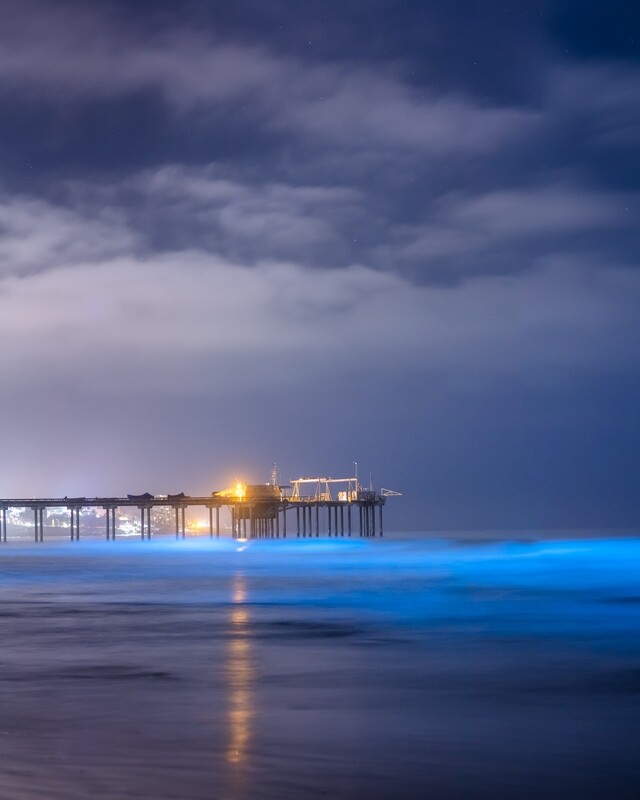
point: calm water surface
(338, 669)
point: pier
(308, 507)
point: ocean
(379, 669)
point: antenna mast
(275, 475)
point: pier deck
(254, 515)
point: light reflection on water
(289, 671)
(240, 675)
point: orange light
(238, 492)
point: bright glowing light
(238, 492)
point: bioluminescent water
(320, 668)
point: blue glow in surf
(406, 667)
(511, 585)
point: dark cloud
(402, 233)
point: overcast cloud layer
(314, 234)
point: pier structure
(309, 507)
(329, 505)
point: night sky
(402, 233)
